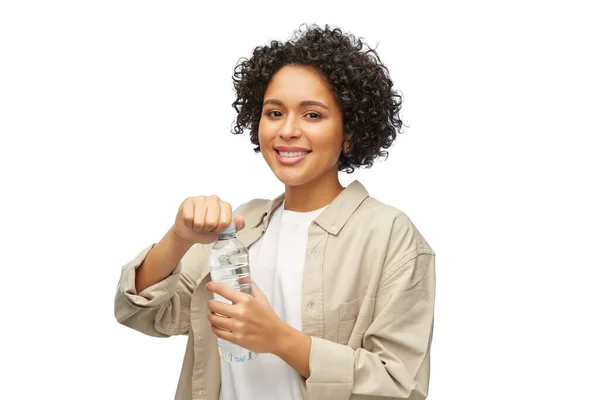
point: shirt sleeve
(394, 359)
(162, 309)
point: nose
(290, 129)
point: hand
(249, 322)
(201, 219)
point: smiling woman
(343, 285)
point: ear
(346, 144)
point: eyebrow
(302, 103)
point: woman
(343, 285)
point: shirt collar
(334, 217)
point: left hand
(249, 322)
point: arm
(394, 360)
(161, 261)
(155, 290)
(163, 308)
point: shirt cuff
(331, 370)
(152, 296)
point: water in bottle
(228, 263)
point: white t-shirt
(277, 266)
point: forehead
(295, 82)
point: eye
(313, 115)
(274, 113)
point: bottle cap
(229, 230)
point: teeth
(293, 154)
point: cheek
(264, 133)
(261, 138)
(265, 144)
(328, 144)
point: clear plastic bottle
(229, 264)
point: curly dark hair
(357, 78)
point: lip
(290, 149)
(289, 161)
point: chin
(292, 179)
(291, 182)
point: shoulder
(394, 223)
(405, 247)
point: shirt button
(310, 305)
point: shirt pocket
(354, 319)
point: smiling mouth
(292, 153)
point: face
(301, 130)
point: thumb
(257, 293)
(239, 223)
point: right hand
(201, 219)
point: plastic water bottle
(228, 263)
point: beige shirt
(367, 303)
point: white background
(112, 112)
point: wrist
(177, 242)
(294, 349)
(289, 341)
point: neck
(313, 195)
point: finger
(223, 334)
(239, 223)
(213, 211)
(225, 217)
(187, 213)
(220, 321)
(219, 307)
(227, 292)
(199, 215)
(244, 280)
